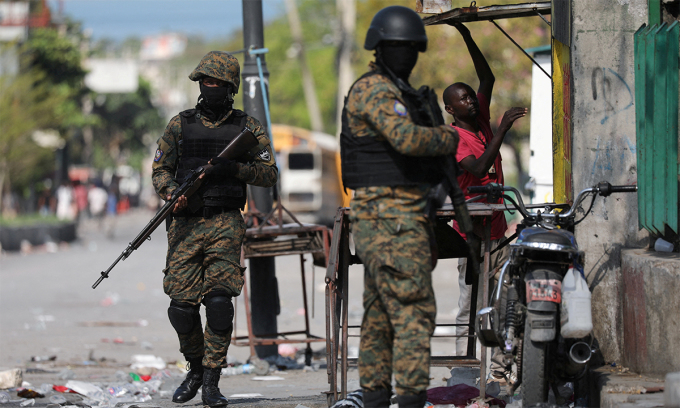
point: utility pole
(307, 79)
(264, 291)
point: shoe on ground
(191, 384)
(211, 395)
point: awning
(491, 13)
(474, 13)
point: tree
(445, 62)
(125, 121)
(27, 107)
(45, 95)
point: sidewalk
(616, 387)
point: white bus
(309, 182)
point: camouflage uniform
(394, 239)
(204, 253)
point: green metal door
(656, 113)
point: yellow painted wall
(562, 123)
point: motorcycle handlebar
(480, 189)
(604, 189)
(624, 189)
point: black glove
(222, 166)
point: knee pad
(219, 312)
(183, 316)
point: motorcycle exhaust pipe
(580, 353)
(578, 356)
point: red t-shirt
(475, 145)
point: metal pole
(521, 49)
(264, 296)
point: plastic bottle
(242, 369)
(4, 397)
(27, 403)
(57, 399)
(576, 315)
(46, 388)
(154, 386)
(89, 390)
(661, 245)
(116, 391)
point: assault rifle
(238, 147)
(423, 105)
(449, 186)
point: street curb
(616, 387)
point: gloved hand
(223, 166)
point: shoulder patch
(159, 154)
(399, 108)
(264, 155)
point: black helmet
(396, 23)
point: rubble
(11, 378)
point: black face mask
(217, 98)
(400, 59)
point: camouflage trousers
(399, 304)
(204, 255)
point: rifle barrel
(105, 274)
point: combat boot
(412, 401)
(377, 399)
(211, 393)
(192, 383)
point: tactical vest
(199, 145)
(368, 162)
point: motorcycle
(539, 313)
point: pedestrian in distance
(96, 198)
(479, 158)
(66, 202)
(390, 135)
(205, 236)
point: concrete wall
(651, 309)
(603, 143)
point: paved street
(49, 310)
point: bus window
(301, 161)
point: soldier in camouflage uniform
(205, 236)
(391, 135)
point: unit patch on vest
(399, 108)
(264, 155)
(159, 154)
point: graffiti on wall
(611, 92)
(614, 155)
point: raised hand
(510, 116)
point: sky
(120, 19)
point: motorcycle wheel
(534, 382)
